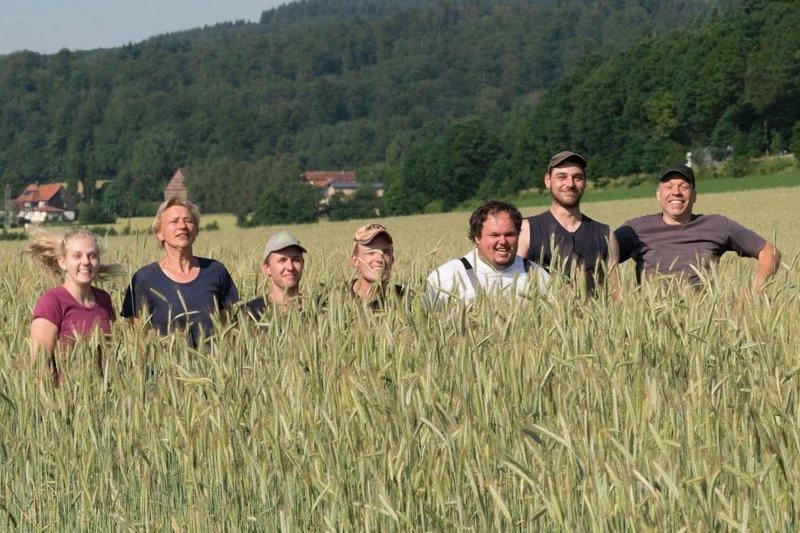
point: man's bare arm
(769, 260)
(611, 265)
(524, 240)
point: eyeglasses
(373, 251)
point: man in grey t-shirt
(677, 242)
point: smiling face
(285, 269)
(676, 196)
(178, 228)
(80, 261)
(566, 183)
(374, 261)
(498, 241)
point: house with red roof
(323, 178)
(337, 181)
(49, 201)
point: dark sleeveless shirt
(586, 250)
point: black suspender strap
(473, 278)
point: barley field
(666, 411)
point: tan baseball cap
(366, 234)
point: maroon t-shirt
(661, 248)
(72, 319)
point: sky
(47, 26)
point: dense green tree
(416, 185)
(291, 202)
(772, 78)
(446, 170)
(648, 105)
(794, 141)
(154, 157)
(363, 203)
(216, 185)
(95, 213)
(12, 182)
(285, 197)
(469, 150)
(449, 99)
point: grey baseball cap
(279, 241)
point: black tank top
(586, 250)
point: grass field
(665, 411)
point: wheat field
(666, 411)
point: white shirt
(451, 280)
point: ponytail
(48, 247)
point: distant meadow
(668, 410)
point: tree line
(442, 101)
(727, 89)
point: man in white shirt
(493, 267)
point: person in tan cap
(373, 258)
(283, 264)
(562, 239)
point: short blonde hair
(194, 212)
(48, 247)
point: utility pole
(7, 221)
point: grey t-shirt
(661, 248)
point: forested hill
(314, 13)
(731, 88)
(246, 106)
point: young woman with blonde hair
(75, 308)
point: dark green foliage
(12, 181)
(103, 231)
(451, 100)
(294, 202)
(727, 84)
(216, 185)
(12, 235)
(95, 213)
(363, 203)
(446, 170)
(322, 12)
(281, 195)
(794, 141)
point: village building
(176, 188)
(337, 181)
(46, 202)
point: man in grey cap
(678, 243)
(283, 264)
(562, 239)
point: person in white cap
(373, 258)
(283, 264)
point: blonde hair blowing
(48, 247)
(172, 202)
